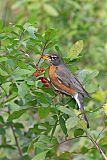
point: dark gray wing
(68, 79)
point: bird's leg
(62, 98)
(56, 98)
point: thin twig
(97, 147)
(16, 140)
(95, 144)
(100, 133)
(42, 52)
(43, 49)
(71, 139)
(26, 54)
(20, 36)
(15, 137)
(54, 128)
(93, 141)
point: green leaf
(2, 59)
(86, 75)
(27, 25)
(50, 10)
(22, 89)
(7, 146)
(91, 87)
(57, 48)
(6, 86)
(16, 114)
(75, 50)
(2, 131)
(20, 27)
(78, 132)
(66, 155)
(66, 110)
(50, 44)
(84, 150)
(62, 124)
(3, 73)
(12, 96)
(42, 97)
(32, 144)
(21, 72)
(71, 122)
(50, 34)
(18, 125)
(91, 75)
(105, 108)
(32, 30)
(103, 141)
(44, 139)
(82, 74)
(44, 111)
(40, 37)
(40, 156)
(25, 157)
(1, 119)
(54, 127)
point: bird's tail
(79, 100)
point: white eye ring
(53, 57)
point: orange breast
(57, 83)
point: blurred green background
(73, 20)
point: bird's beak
(45, 57)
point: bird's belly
(57, 84)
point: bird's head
(53, 59)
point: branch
(15, 137)
(93, 141)
(97, 147)
(16, 140)
(43, 49)
(100, 134)
(71, 139)
(42, 52)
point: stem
(15, 137)
(43, 49)
(93, 141)
(42, 52)
(96, 144)
(100, 133)
(97, 147)
(16, 140)
(53, 129)
(20, 36)
(71, 139)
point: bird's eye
(53, 57)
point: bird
(64, 81)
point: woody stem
(15, 137)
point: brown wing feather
(68, 79)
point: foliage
(35, 123)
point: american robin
(65, 82)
